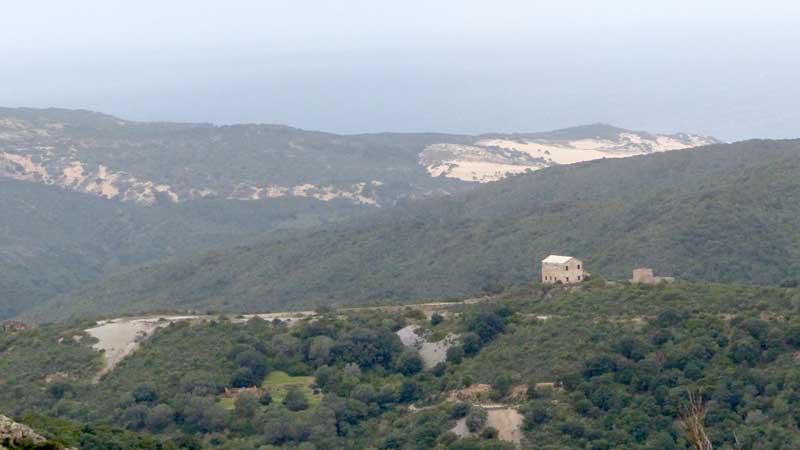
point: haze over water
(724, 68)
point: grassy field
(278, 384)
(228, 403)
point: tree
(203, 414)
(489, 433)
(135, 416)
(200, 383)
(246, 405)
(324, 377)
(265, 399)
(364, 393)
(160, 417)
(367, 347)
(598, 365)
(501, 386)
(455, 354)
(318, 351)
(472, 343)
(409, 391)
(59, 388)
(436, 319)
(409, 363)
(145, 393)
(536, 414)
(486, 326)
(255, 361)
(459, 410)
(243, 377)
(476, 419)
(295, 399)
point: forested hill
(601, 366)
(52, 240)
(725, 212)
(84, 195)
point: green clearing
(278, 384)
(228, 403)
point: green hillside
(721, 213)
(53, 241)
(600, 366)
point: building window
(579, 267)
(566, 267)
(567, 279)
(579, 278)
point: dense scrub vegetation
(600, 366)
(724, 213)
(52, 241)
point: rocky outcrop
(14, 435)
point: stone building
(562, 269)
(645, 275)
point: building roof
(556, 259)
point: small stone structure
(562, 269)
(14, 326)
(645, 275)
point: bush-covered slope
(725, 213)
(600, 366)
(52, 241)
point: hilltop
(149, 163)
(723, 213)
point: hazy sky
(729, 68)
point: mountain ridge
(150, 162)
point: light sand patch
(324, 193)
(73, 175)
(574, 152)
(166, 189)
(118, 338)
(432, 353)
(506, 420)
(481, 172)
(102, 183)
(493, 159)
(202, 193)
(22, 167)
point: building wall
(643, 275)
(568, 273)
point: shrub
(476, 419)
(295, 400)
(455, 354)
(409, 363)
(243, 377)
